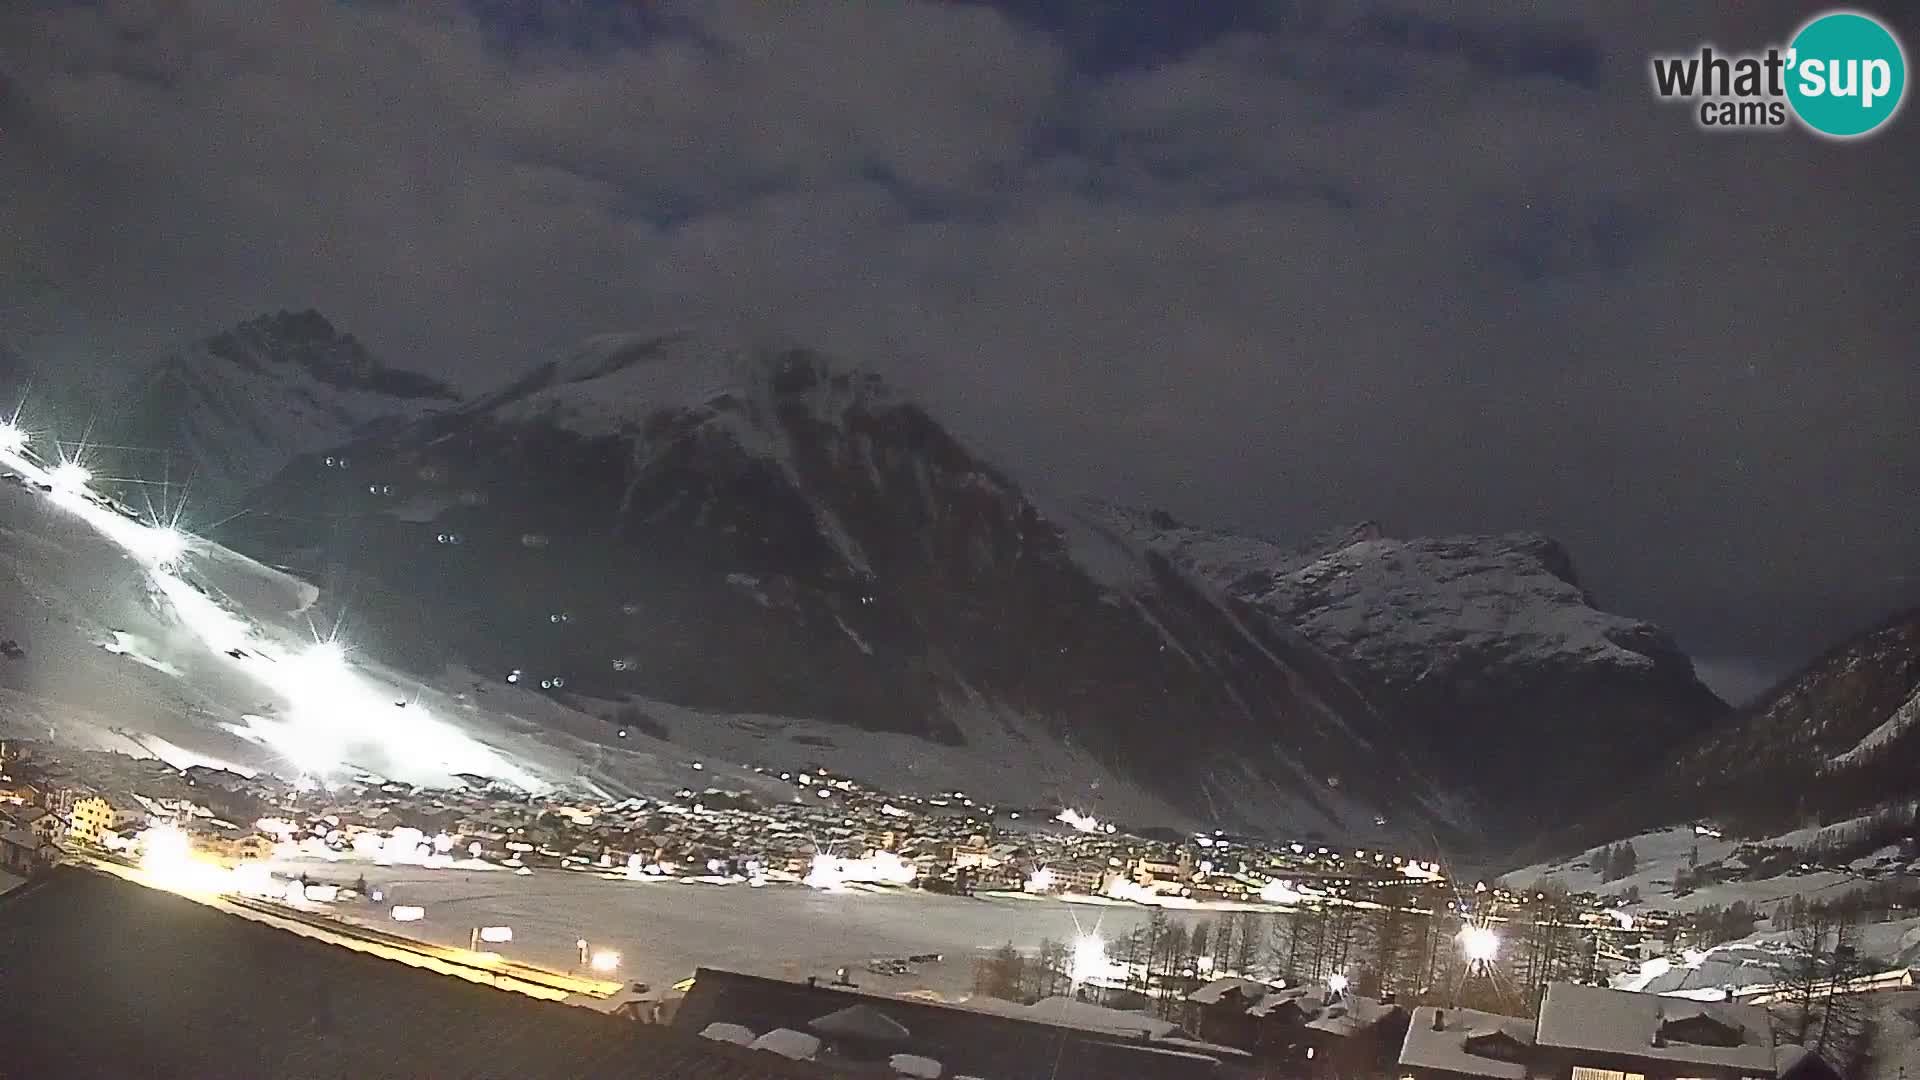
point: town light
(606, 960)
(1480, 944)
(70, 476)
(1089, 958)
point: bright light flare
(166, 855)
(1337, 983)
(1089, 961)
(1480, 944)
(832, 872)
(408, 913)
(157, 546)
(605, 960)
(70, 476)
(1280, 892)
(496, 935)
(328, 656)
(1040, 881)
(12, 439)
(1077, 821)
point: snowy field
(1664, 852)
(664, 929)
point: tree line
(1403, 946)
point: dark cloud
(1274, 265)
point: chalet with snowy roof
(1589, 1033)
(1314, 1028)
(1466, 1044)
(1220, 1010)
(1055, 1039)
(1353, 1036)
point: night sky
(1266, 265)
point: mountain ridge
(751, 526)
(234, 407)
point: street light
(1089, 958)
(1480, 944)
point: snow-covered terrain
(232, 410)
(1663, 854)
(728, 528)
(1484, 652)
(126, 647)
(1839, 736)
(664, 929)
(1396, 607)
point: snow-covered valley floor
(664, 929)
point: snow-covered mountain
(740, 526)
(743, 527)
(233, 409)
(1835, 745)
(1485, 656)
(1841, 737)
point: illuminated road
(466, 964)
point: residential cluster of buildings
(1582, 1033)
(65, 796)
(1239, 1028)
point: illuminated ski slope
(334, 713)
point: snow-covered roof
(1350, 1015)
(1212, 993)
(1079, 1014)
(1307, 999)
(1574, 1017)
(728, 1033)
(1447, 1048)
(788, 1043)
(915, 1066)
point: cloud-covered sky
(1271, 265)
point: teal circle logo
(1846, 74)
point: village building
(1466, 1044)
(89, 820)
(1055, 1039)
(1590, 1033)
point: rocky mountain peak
(232, 409)
(308, 341)
(622, 382)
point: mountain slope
(1483, 654)
(1840, 737)
(743, 527)
(233, 409)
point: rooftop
(1596, 1020)
(102, 977)
(1460, 1033)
